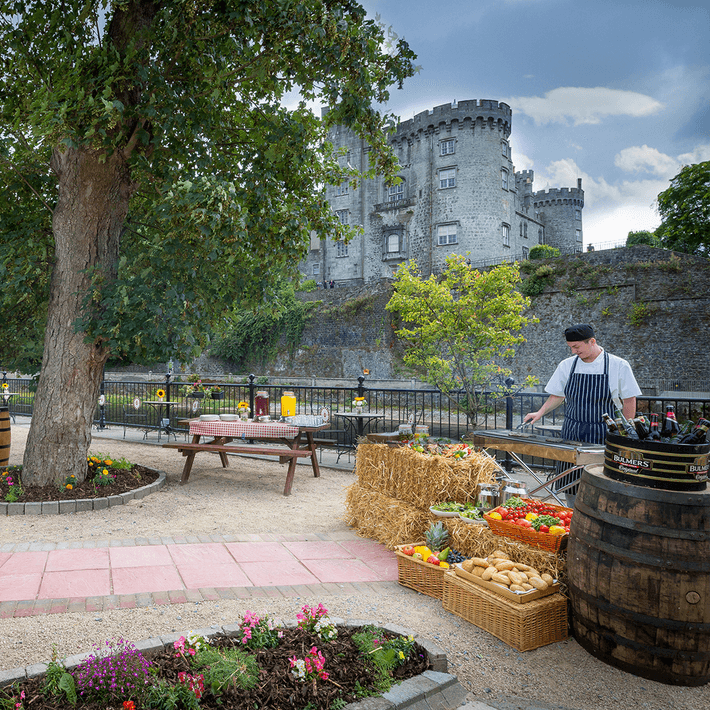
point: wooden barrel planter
(638, 563)
(4, 436)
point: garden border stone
(82, 505)
(434, 689)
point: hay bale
(384, 519)
(420, 479)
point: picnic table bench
(288, 436)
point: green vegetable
(548, 520)
(448, 507)
(515, 502)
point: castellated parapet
(457, 193)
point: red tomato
(544, 529)
(525, 523)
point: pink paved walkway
(92, 576)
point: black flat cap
(581, 331)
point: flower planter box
(217, 395)
(197, 395)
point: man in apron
(589, 383)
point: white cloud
(583, 105)
(644, 159)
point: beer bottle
(698, 434)
(641, 428)
(670, 425)
(654, 430)
(684, 430)
(611, 426)
(628, 426)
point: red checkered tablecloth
(246, 430)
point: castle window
(342, 216)
(341, 248)
(504, 179)
(446, 234)
(578, 235)
(506, 235)
(525, 231)
(526, 251)
(395, 192)
(447, 178)
(392, 243)
(540, 236)
(316, 269)
(341, 189)
(447, 147)
(578, 214)
(504, 148)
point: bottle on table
(671, 427)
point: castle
(458, 193)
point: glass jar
(288, 404)
(510, 489)
(261, 404)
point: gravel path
(248, 499)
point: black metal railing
(431, 407)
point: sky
(614, 92)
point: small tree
(643, 237)
(458, 327)
(543, 251)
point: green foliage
(639, 313)
(536, 283)
(226, 668)
(543, 251)
(383, 655)
(308, 285)
(253, 336)
(162, 695)
(182, 109)
(457, 328)
(685, 211)
(57, 681)
(643, 237)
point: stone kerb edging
(433, 689)
(80, 505)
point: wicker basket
(545, 541)
(522, 626)
(419, 575)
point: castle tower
(560, 209)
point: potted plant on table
(359, 404)
(243, 410)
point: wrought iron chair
(134, 414)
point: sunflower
(5, 385)
(160, 393)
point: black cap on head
(581, 331)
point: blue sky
(615, 93)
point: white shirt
(622, 382)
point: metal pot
(488, 495)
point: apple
(434, 560)
(408, 550)
(417, 556)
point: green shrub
(535, 284)
(643, 237)
(543, 251)
(308, 285)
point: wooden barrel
(674, 467)
(638, 563)
(4, 436)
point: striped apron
(587, 397)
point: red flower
(129, 705)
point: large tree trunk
(93, 203)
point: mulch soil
(125, 480)
(276, 689)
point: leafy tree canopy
(685, 211)
(642, 237)
(459, 327)
(224, 183)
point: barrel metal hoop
(644, 619)
(679, 564)
(655, 530)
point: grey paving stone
(455, 695)
(36, 669)
(33, 509)
(67, 506)
(15, 508)
(77, 659)
(100, 503)
(114, 501)
(151, 646)
(84, 504)
(399, 630)
(443, 680)
(410, 692)
(50, 508)
(231, 630)
(14, 675)
(437, 655)
(3, 508)
(370, 704)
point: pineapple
(436, 537)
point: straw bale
(387, 520)
(419, 479)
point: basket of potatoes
(515, 581)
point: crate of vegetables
(534, 522)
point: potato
(547, 578)
(538, 583)
(467, 565)
(489, 572)
(480, 562)
(516, 588)
(500, 579)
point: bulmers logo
(699, 467)
(631, 459)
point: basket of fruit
(534, 522)
(421, 565)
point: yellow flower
(5, 385)
(243, 404)
(160, 393)
(69, 486)
(108, 462)
(401, 654)
(105, 472)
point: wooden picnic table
(288, 436)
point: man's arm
(552, 402)
(629, 407)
